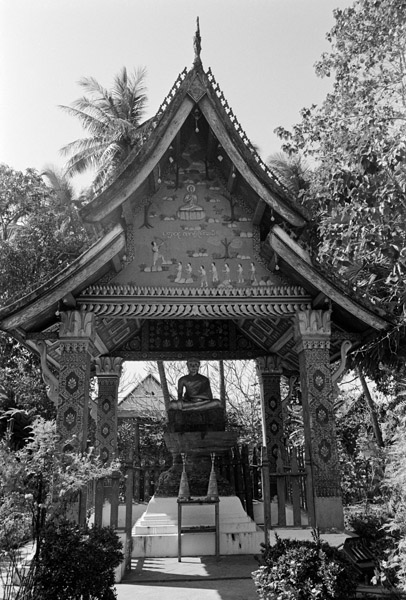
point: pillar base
(329, 513)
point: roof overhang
(300, 263)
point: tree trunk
(164, 383)
(371, 405)
(222, 384)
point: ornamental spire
(197, 43)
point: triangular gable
(195, 90)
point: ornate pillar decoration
(269, 372)
(312, 334)
(108, 371)
(76, 334)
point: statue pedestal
(200, 443)
(181, 421)
(155, 534)
(196, 436)
(197, 446)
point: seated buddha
(194, 390)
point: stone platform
(155, 534)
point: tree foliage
(39, 486)
(77, 562)
(20, 381)
(303, 570)
(112, 118)
(40, 481)
(356, 142)
(42, 232)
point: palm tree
(112, 118)
(292, 171)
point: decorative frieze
(197, 311)
(214, 303)
(118, 292)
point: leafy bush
(77, 562)
(304, 570)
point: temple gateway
(200, 253)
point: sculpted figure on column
(194, 390)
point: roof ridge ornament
(197, 44)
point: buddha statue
(194, 391)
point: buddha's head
(193, 365)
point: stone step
(196, 544)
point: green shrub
(373, 529)
(304, 570)
(77, 562)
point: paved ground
(194, 578)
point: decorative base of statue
(198, 447)
(181, 421)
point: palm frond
(112, 120)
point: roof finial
(197, 43)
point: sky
(261, 52)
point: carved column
(269, 374)
(108, 371)
(76, 334)
(312, 334)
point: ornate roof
(199, 249)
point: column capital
(312, 329)
(108, 366)
(77, 331)
(76, 324)
(269, 365)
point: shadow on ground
(195, 578)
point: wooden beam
(282, 341)
(295, 260)
(116, 262)
(42, 335)
(259, 211)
